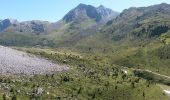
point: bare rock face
(4, 24)
(17, 62)
(83, 12)
(35, 26)
(106, 14)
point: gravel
(17, 62)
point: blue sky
(53, 10)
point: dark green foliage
(158, 31)
(164, 52)
(4, 96)
(14, 97)
(152, 77)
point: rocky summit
(82, 11)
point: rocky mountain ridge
(82, 11)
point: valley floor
(88, 77)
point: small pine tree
(133, 84)
(14, 97)
(4, 96)
(143, 94)
(94, 95)
(79, 91)
(116, 87)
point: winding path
(165, 76)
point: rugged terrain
(110, 55)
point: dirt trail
(165, 88)
(165, 76)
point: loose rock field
(17, 62)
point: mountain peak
(83, 12)
(81, 5)
(106, 13)
(4, 24)
(101, 6)
(164, 4)
(13, 21)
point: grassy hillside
(69, 33)
(24, 39)
(87, 79)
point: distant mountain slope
(138, 37)
(133, 26)
(80, 22)
(81, 13)
(140, 22)
(35, 26)
(4, 24)
(83, 24)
